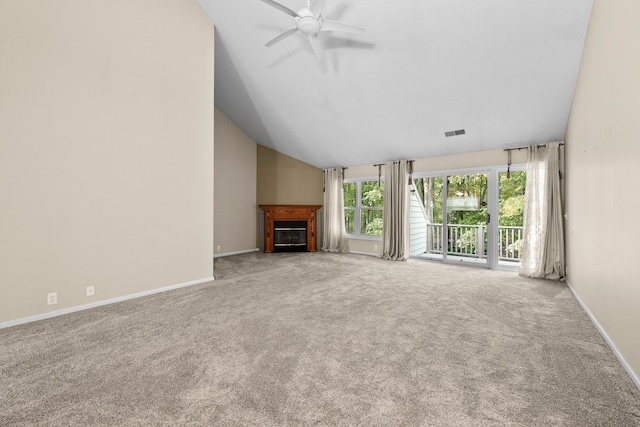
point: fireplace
(290, 228)
(290, 236)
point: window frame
(357, 216)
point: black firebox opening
(290, 236)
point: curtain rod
(395, 161)
(526, 146)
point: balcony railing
(469, 241)
(509, 243)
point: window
(363, 201)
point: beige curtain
(543, 248)
(334, 234)
(395, 221)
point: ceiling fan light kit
(310, 21)
(307, 23)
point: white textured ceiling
(503, 70)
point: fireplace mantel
(288, 213)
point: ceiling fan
(310, 21)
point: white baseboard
(623, 362)
(100, 303)
(364, 253)
(236, 253)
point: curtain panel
(395, 221)
(543, 249)
(334, 234)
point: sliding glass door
(469, 216)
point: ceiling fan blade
(281, 8)
(317, 7)
(328, 25)
(281, 37)
(316, 46)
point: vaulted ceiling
(503, 70)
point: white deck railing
(509, 243)
(469, 241)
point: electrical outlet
(375, 247)
(218, 248)
(52, 298)
(91, 291)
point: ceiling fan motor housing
(307, 23)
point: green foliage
(349, 220)
(349, 190)
(459, 186)
(374, 226)
(430, 192)
(468, 186)
(372, 194)
(511, 199)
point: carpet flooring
(322, 339)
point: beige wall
(283, 180)
(432, 164)
(235, 188)
(106, 150)
(602, 155)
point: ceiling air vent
(454, 132)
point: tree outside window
(350, 205)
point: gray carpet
(322, 339)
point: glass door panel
(466, 225)
(426, 217)
(510, 216)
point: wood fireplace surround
(274, 213)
